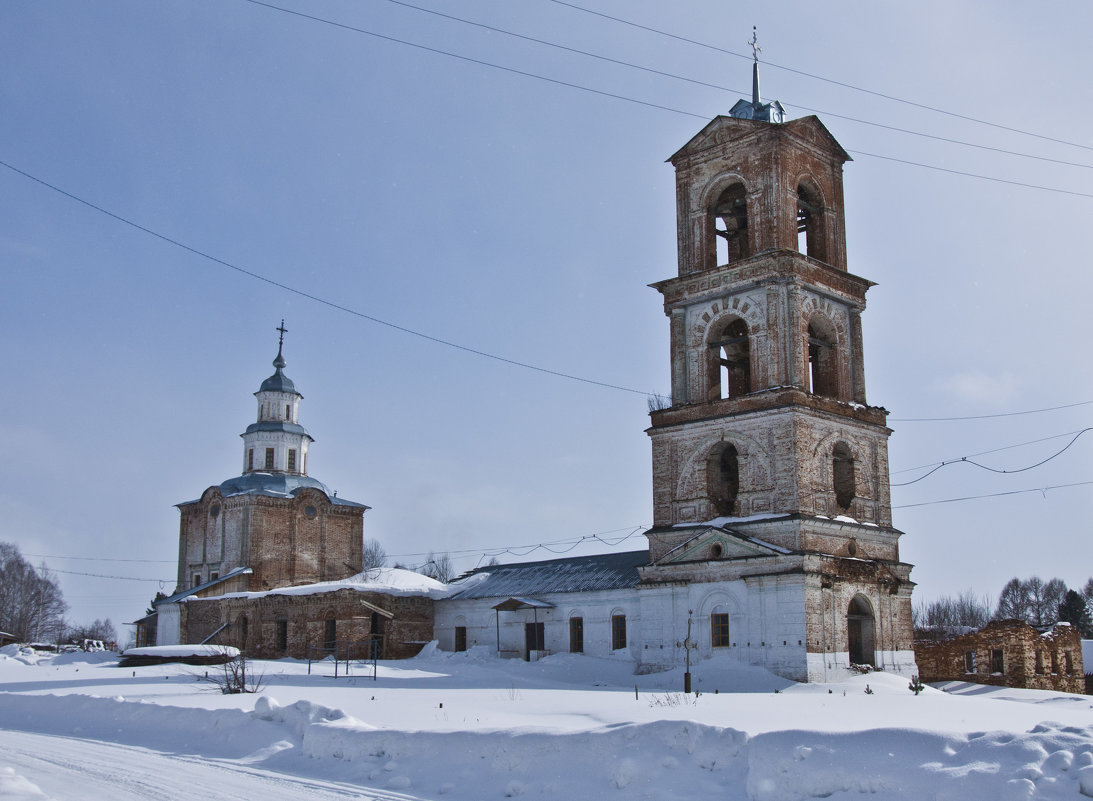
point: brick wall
(305, 622)
(1051, 661)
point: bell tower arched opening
(811, 236)
(729, 360)
(842, 475)
(822, 364)
(861, 643)
(723, 478)
(729, 226)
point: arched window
(729, 360)
(810, 223)
(243, 632)
(859, 632)
(723, 477)
(730, 225)
(842, 475)
(822, 370)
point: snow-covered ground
(469, 726)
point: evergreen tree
(1073, 610)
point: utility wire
(986, 416)
(471, 60)
(316, 298)
(645, 103)
(1042, 490)
(984, 453)
(843, 84)
(101, 559)
(967, 460)
(722, 88)
(100, 575)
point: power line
(118, 578)
(832, 81)
(1043, 490)
(316, 298)
(967, 460)
(101, 558)
(986, 416)
(695, 81)
(971, 174)
(984, 453)
(645, 103)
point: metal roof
(277, 425)
(178, 596)
(278, 382)
(610, 571)
(278, 485)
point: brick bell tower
(769, 462)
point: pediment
(723, 129)
(716, 544)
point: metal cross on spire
(280, 362)
(755, 51)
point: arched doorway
(859, 632)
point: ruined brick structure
(357, 624)
(1007, 653)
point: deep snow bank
(661, 759)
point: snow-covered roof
(386, 580)
(575, 574)
(183, 651)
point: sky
(176, 178)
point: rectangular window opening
(576, 635)
(460, 638)
(269, 458)
(291, 458)
(618, 632)
(197, 579)
(282, 635)
(970, 662)
(719, 630)
(998, 663)
(250, 458)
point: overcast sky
(524, 218)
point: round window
(214, 510)
(310, 511)
(716, 550)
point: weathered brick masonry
(1007, 653)
(275, 625)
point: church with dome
(772, 542)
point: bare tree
(373, 555)
(439, 567)
(32, 606)
(1013, 601)
(1044, 600)
(949, 615)
(96, 630)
